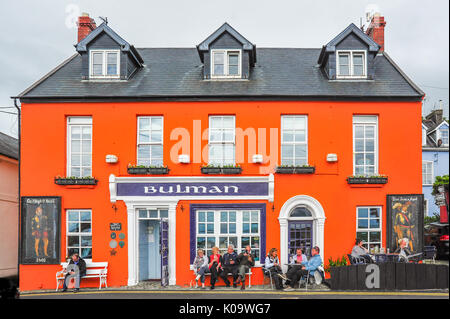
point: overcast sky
(35, 36)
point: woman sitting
(402, 251)
(215, 265)
(272, 264)
(200, 267)
(359, 251)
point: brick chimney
(85, 26)
(376, 29)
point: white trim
(150, 117)
(222, 142)
(294, 143)
(318, 218)
(79, 234)
(351, 67)
(105, 64)
(356, 120)
(81, 121)
(225, 64)
(380, 229)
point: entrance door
(149, 250)
(300, 236)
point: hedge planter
(148, 170)
(76, 181)
(367, 180)
(296, 170)
(221, 170)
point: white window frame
(226, 74)
(79, 234)
(432, 173)
(424, 136)
(105, 64)
(80, 121)
(439, 135)
(357, 120)
(233, 142)
(368, 230)
(239, 230)
(351, 53)
(294, 142)
(150, 142)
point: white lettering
(215, 189)
(149, 189)
(236, 189)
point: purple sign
(193, 189)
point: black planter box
(295, 170)
(148, 170)
(76, 181)
(367, 180)
(221, 170)
(231, 170)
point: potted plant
(232, 169)
(147, 169)
(210, 169)
(333, 268)
(295, 169)
(74, 180)
(364, 179)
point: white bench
(93, 270)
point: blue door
(149, 250)
(164, 245)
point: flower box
(231, 170)
(148, 170)
(295, 170)
(75, 181)
(367, 180)
(211, 170)
(221, 170)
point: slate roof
(9, 146)
(177, 73)
(430, 127)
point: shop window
(222, 143)
(150, 141)
(427, 173)
(222, 228)
(365, 145)
(294, 140)
(79, 233)
(369, 226)
(79, 146)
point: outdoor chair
(429, 253)
(267, 273)
(355, 260)
(317, 278)
(411, 258)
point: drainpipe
(19, 223)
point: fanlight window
(300, 212)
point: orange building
(170, 150)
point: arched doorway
(302, 221)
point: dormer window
(226, 63)
(104, 64)
(351, 64)
(443, 135)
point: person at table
(229, 265)
(310, 266)
(293, 273)
(245, 261)
(200, 267)
(272, 264)
(402, 251)
(215, 265)
(359, 251)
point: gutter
(19, 245)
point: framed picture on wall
(40, 230)
(404, 215)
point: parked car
(436, 234)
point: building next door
(300, 236)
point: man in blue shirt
(311, 265)
(229, 265)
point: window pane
(370, 145)
(218, 69)
(363, 223)
(111, 69)
(232, 217)
(201, 242)
(374, 223)
(157, 151)
(85, 216)
(233, 59)
(201, 216)
(156, 137)
(232, 228)
(86, 146)
(359, 145)
(86, 253)
(210, 228)
(86, 160)
(358, 70)
(359, 131)
(374, 213)
(216, 122)
(144, 123)
(246, 228)
(86, 228)
(254, 227)
(144, 136)
(223, 216)
(73, 240)
(246, 216)
(76, 132)
(97, 58)
(75, 171)
(201, 228)
(210, 217)
(359, 158)
(75, 160)
(300, 136)
(287, 151)
(142, 213)
(156, 123)
(300, 151)
(211, 242)
(375, 236)
(164, 213)
(362, 235)
(228, 122)
(233, 70)
(357, 59)
(363, 212)
(74, 228)
(218, 58)
(288, 136)
(86, 241)
(223, 228)
(144, 151)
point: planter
(296, 170)
(148, 170)
(367, 180)
(221, 170)
(231, 170)
(76, 181)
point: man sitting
(245, 260)
(230, 266)
(293, 273)
(402, 251)
(76, 263)
(310, 266)
(359, 251)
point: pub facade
(139, 157)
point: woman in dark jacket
(75, 262)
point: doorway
(149, 250)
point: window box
(221, 170)
(367, 180)
(148, 170)
(295, 169)
(75, 181)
